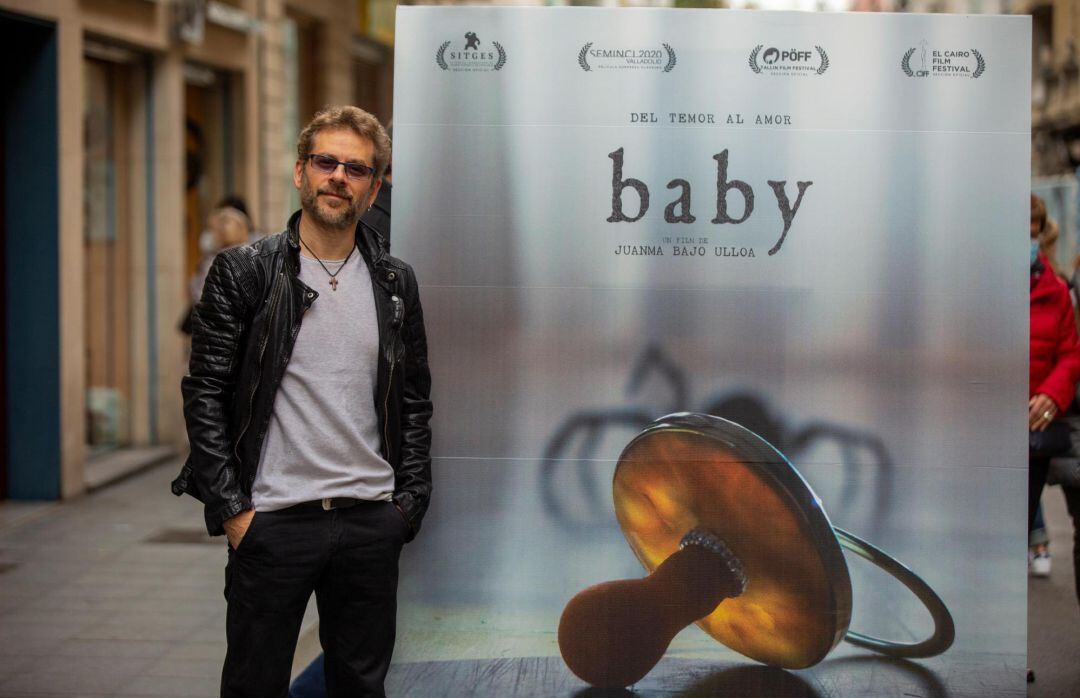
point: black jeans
(349, 558)
(1037, 470)
(1042, 446)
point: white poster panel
(806, 224)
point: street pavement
(119, 593)
(116, 593)
(1053, 612)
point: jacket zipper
(262, 351)
(395, 323)
(386, 406)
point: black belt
(333, 503)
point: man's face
(334, 200)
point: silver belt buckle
(327, 504)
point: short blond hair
(356, 120)
(229, 226)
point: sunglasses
(327, 164)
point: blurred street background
(126, 124)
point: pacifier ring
(944, 629)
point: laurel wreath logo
(581, 57)
(671, 60)
(439, 56)
(905, 63)
(980, 64)
(824, 60)
(753, 58)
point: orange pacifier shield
(690, 471)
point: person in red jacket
(1054, 363)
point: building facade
(125, 123)
(1055, 86)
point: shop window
(107, 254)
(300, 47)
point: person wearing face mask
(1039, 559)
(1054, 364)
(226, 227)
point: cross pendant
(333, 283)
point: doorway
(30, 307)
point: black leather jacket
(244, 329)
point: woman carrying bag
(1054, 363)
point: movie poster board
(808, 224)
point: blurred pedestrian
(1054, 366)
(1039, 558)
(226, 227)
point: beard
(338, 218)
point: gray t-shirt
(323, 439)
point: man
(307, 408)
(311, 682)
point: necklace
(333, 275)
